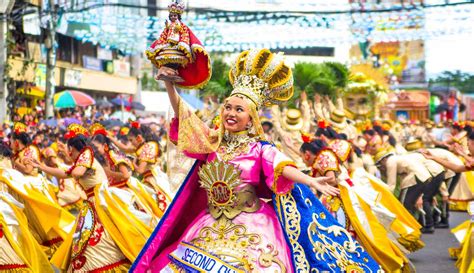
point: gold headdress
(261, 76)
(176, 7)
(258, 76)
(19, 128)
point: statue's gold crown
(261, 76)
(176, 7)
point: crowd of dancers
(300, 190)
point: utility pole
(5, 9)
(51, 60)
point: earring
(251, 130)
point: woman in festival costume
(19, 250)
(463, 191)
(123, 187)
(48, 222)
(464, 232)
(144, 144)
(70, 194)
(228, 224)
(357, 208)
(404, 227)
(25, 150)
(95, 245)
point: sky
(450, 53)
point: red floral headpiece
(97, 129)
(19, 128)
(135, 124)
(74, 130)
(307, 138)
(322, 124)
(458, 124)
(124, 131)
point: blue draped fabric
(315, 237)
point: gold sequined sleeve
(193, 135)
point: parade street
(434, 257)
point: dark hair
(143, 131)
(343, 136)
(369, 132)
(378, 129)
(24, 138)
(356, 150)
(471, 136)
(102, 139)
(5, 150)
(179, 15)
(457, 127)
(80, 142)
(328, 132)
(391, 140)
(468, 129)
(314, 146)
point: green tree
(218, 86)
(458, 79)
(322, 78)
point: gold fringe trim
(411, 242)
(454, 252)
(199, 49)
(279, 172)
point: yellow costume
(465, 253)
(149, 152)
(388, 210)
(19, 251)
(360, 215)
(92, 246)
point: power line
(294, 12)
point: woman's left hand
(321, 184)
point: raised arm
(446, 163)
(318, 183)
(172, 93)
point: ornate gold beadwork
(220, 180)
(234, 145)
(267, 259)
(229, 242)
(327, 246)
(292, 225)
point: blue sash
(316, 239)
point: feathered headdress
(97, 129)
(19, 127)
(74, 130)
(261, 76)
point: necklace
(234, 145)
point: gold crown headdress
(19, 128)
(262, 76)
(176, 7)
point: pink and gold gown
(222, 217)
(251, 226)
